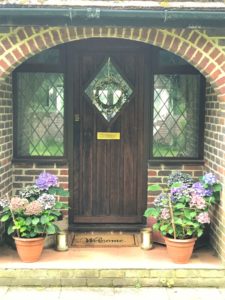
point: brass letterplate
(108, 135)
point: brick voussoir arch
(192, 45)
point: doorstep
(123, 266)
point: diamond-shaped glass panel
(40, 114)
(176, 115)
(109, 91)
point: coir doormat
(102, 239)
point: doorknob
(76, 118)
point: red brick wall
(5, 140)
(215, 162)
(6, 132)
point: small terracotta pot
(180, 251)
(29, 250)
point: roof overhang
(100, 16)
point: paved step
(111, 267)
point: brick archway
(192, 45)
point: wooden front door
(109, 170)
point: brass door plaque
(108, 135)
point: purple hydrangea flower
(199, 189)
(46, 180)
(208, 193)
(179, 192)
(209, 178)
(203, 218)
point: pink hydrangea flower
(203, 218)
(17, 203)
(197, 201)
(165, 214)
(34, 208)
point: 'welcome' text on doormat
(102, 239)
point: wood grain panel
(111, 174)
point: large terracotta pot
(29, 250)
(180, 251)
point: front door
(109, 154)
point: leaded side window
(176, 116)
(40, 114)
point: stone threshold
(111, 267)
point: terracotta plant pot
(29, 250)
(180, 251)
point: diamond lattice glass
(108, 91)
(40, 115)
(176, 115)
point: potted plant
(31, 216)
(181, 211)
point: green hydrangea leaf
(51, 229)
(35, 221)
(154, 188)
(5, 217)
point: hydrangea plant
(182, 209)
(33, 213)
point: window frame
(177, 70)
(39, 68)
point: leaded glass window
(109, 91)
(176, 116)
(40, 114)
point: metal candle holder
(61, 241)
(146, 238)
